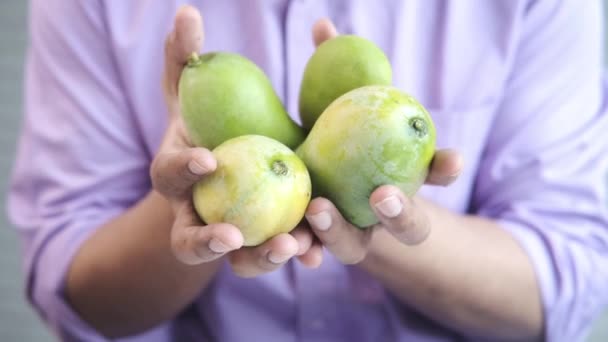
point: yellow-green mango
(368, 137)
(224, 95)
(338, 65)
(260, 186)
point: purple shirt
(515, 85)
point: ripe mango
(368, 137)
(337, 66)
(260, 186)
(224, 95)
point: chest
(453, 57)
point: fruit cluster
(358, 132)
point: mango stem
(194, 59)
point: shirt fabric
(516, 86)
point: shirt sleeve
(80, 159)
(542, 175)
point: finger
(187, 37)
(304, 237)
(253, 261)
(345, 241)
(174, 173)
(313, 256)
(194, 244)
(400, 215)
(445, 167)
(323, 30)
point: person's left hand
(400, 215)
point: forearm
(125, 278)
(469, 274)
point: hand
(403, 217)
(178, 165)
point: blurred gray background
(18, 322)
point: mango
(224, 95)
(368, 137)
(260, 186)
(337, 66)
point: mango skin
(249, 190)
(370, 136)
(337, 66)
(224, 95)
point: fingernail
(217, 246)
(320, 221)
(196, 168)
(390, 206)
(278, 258)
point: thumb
(187, 37)
(174, 173)
(323, 30)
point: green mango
(224, 95)
(260, 186)
(337, 66)
(368, 137)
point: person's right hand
(178, 165)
